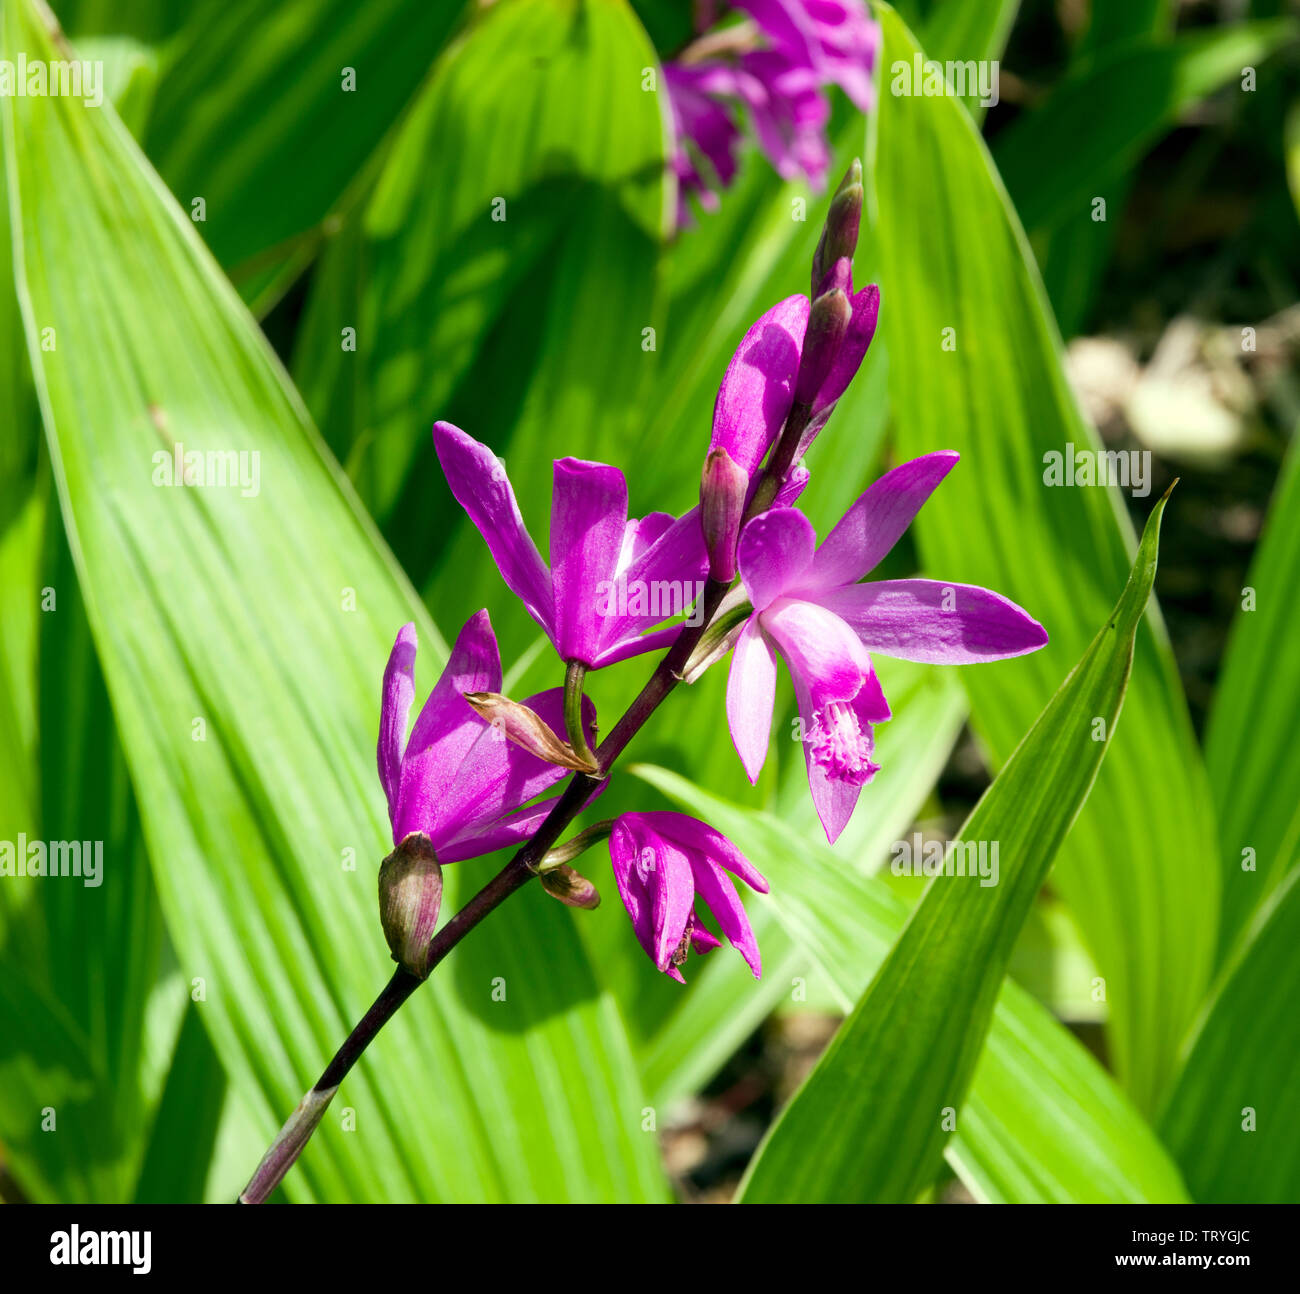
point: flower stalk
(575, 674)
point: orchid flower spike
(459, 781)
(609, 577)
(810, 609)
(662, 862)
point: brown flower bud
(528, 729)
(572, 888)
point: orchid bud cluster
(479, 770)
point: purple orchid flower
(697, 96)
(609, 577)
(810, 608)
(662, 863)
(458, 780)
(804, 45)
(789, 114)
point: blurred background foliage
(244, 252)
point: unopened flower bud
(840, 233)
(723, 486)
(410, 894)
(840, 275)
(828, 321)
(572, 888)
(526, 728)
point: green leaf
(871, 1120)
(1043, 1122)
(255, 113)
(506, 289)
(1112, 110)
(956, 29)
(184, 1131)
(1142, 886)
(1231, 1118)
(249, 730)
(1250, 745)
(1074, 253)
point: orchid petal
(934, 622)
(445, 731)
(822, 652)
(751, 697)
(588, 518)
(496, 775)
(641, 534)
(833, 798)
(758, 387)
(513, 829)
(394, 714)
(480, 485)
(656, 883)
(637, 646)
(720, 897)
(697, 836)
(774, 553)
(666, 578)
(703, 941)
(873, 525)
(796, 481)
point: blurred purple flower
(810, 608)
(837, 40)
(601, 590)
(662, 863)
(458, 780)
(776, 71)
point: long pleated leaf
(975, 366)
(243, 631)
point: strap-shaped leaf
(242, 631)
(1250, 743)
(975, 366)
(871, 1120)
(1231, 1118)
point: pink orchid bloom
(458, 780)
(662, 862)
(811, 610)
(593, 600)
